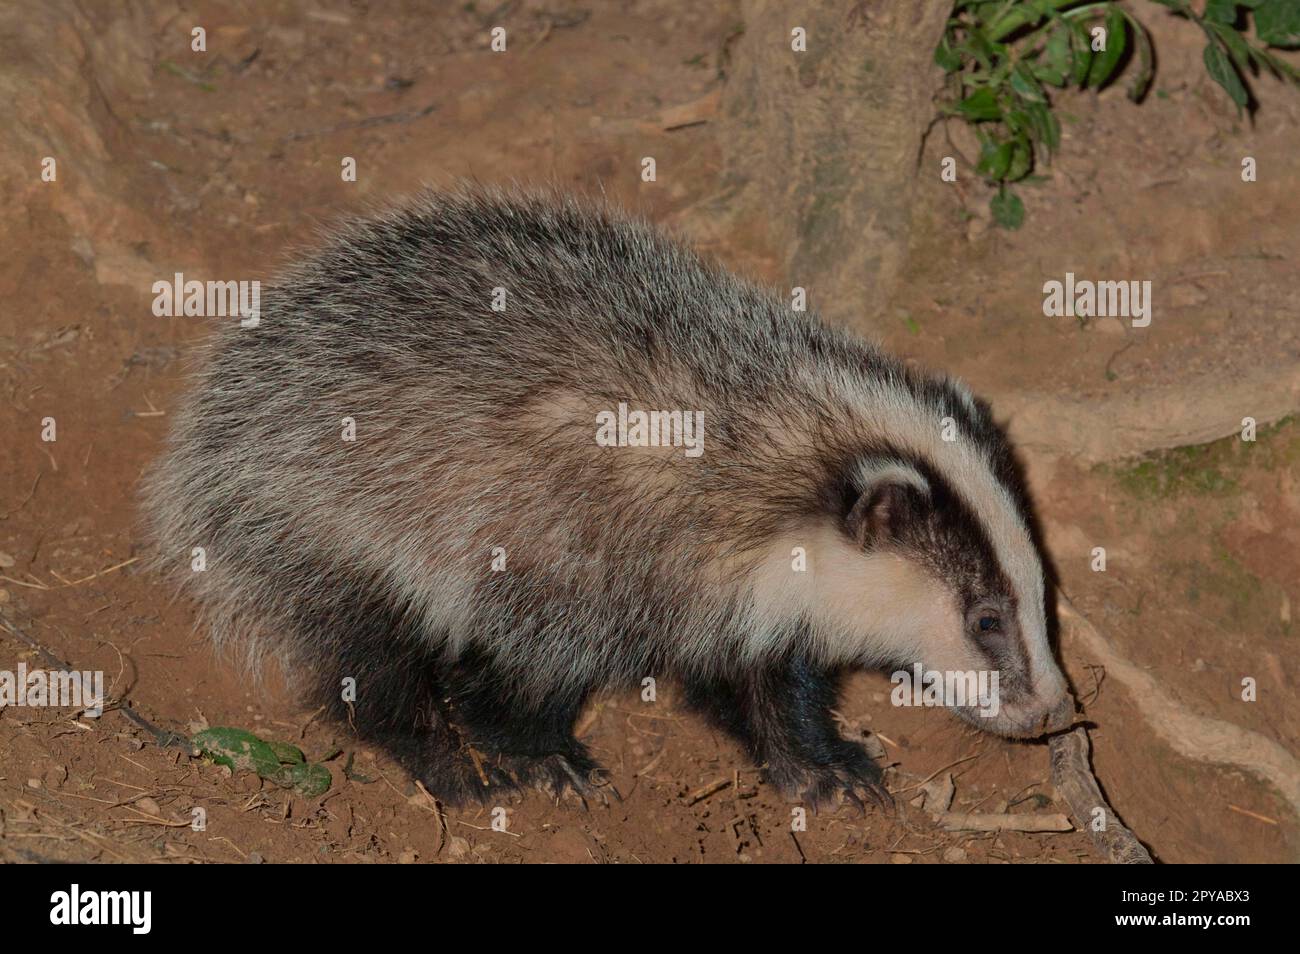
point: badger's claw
(852, 777)
(566, 775)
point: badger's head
(943, 571)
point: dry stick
(63, 583)
(1191, 735)
(965, 821)
(1073, 779)
(162, 737)
(1264, 818)
(700, 794)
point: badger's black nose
(1061, 717)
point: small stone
(939, 793)
(407, 857)
(6, 561)
(457, 847)
(900, 859)
(954, 856)
(148, 806)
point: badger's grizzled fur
(380, 558)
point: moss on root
(1213, 469)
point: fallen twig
(700, 794)
(161, 737)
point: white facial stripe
(867, 608)
(906, 425)
(874, 472)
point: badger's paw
(564, 775)
(463, 778)
(850, 776)
(453, 772)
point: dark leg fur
(782, 716)
(348, 630)
(399, 708)
(533, 745)
(458, 728)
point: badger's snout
(1034, 718)
(1060, 717)
(1025, 719)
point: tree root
(1074, 781)
(1193, 736)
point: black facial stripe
(959, 550)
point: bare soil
(218, 165)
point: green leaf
(995, 157)
(1221, 11)
(1022, 160)
(1047, 128)
(1141, 80)
(1025, 86)
(237, 749)
(1222, 72)
(1266, 60)
(1008, 210)
(286, 752)
(1104, 63)
(1018, 122)
(946, 57)
(980, 49)
(310, 779)
(1081, 45)
(980, 105)
(1049, 75)
(242, 751)
(1236, 44)
(1277, 22)
(352, 774)
(1057, 50)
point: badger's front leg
(531, 742)
(781, 714)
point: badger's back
(475, 429)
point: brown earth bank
(219, 165)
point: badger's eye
(989, 624)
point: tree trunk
(824, 144)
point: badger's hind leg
(398, 706)
(374, 671)
(782, 715)
(531, 742)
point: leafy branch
(1004, 58)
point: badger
(492, 451)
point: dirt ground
(218, 165)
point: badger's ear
(889, 495)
